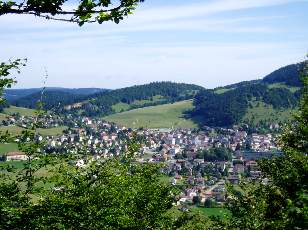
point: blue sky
(206, 42)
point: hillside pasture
(20, 110)
(8, 147)
(161, 116)
(293, 89)
(122, 107)
(16, 130)
(218, 212)
(3, 117)
(259, 111)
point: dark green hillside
(12, 95)
(51, 100)
(236, 85)
(15, 94)
(288, 75)
(278, 93)
(136, 97)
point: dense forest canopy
(50, 99)
(288, 75)
(101, 103)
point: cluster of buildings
(44, 121)
(186, 167)
(182, 150)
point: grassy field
(161, 116)
(220, 212)
(8, 147)
(2, 116)
(52, 131)
(293, 89)
(16, 130)
(121, 107)
(14, 164)
(261, 112)
(222, 90)
(20, 110)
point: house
(234, 179)
(80, 164)
(176, 149)
(219, 193)
(238, 168)
(16, 156)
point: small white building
(16, 156)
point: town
(199, 162)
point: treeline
(3, 105)
(101, 103)
(229, 108)
(12, 95)
(215, 154)
(288, 75)
(51, 100)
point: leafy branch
(87, 11)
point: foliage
(282, 202)
(106, 194)
(102, 103)
(51, 100)
(109, 195)
(196, 200)
(288, 75)
(194, 222)
(229, 108)
(209, 203)
(6, 69)
(216, 154)
(63, 10)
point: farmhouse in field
(16, 156)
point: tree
(281, 203)
(87, 11)
(196, 200)
(109, 195)
(7, 68)
(209, 203)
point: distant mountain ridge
(15, 94)
(264, 100)
(138, 96)
(97, 102)
(51, 99)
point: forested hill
(134, 97)
(268, 98)
(288, 75)
(52, 100)
(12, 95)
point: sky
(205, 42)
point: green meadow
(161, 116)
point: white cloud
(204, 8)
(139, 50)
